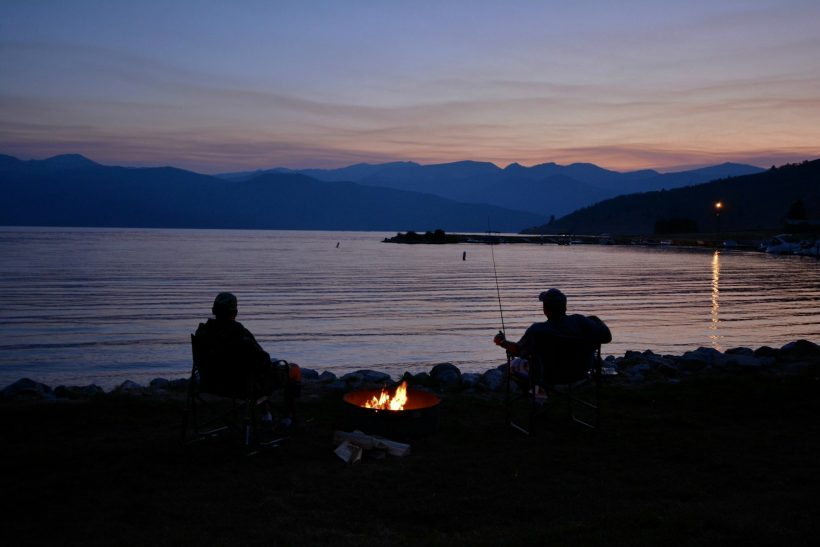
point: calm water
(106, 305)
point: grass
(699, 463)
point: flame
(385, 402)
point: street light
(718, 207)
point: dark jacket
(231, 361)
(561, 349)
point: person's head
(224, 306)
(555, 303)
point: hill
(545, 189)
(753, 202)
(74, 191)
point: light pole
(718, 207)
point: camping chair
(560, 367)
(220, 402)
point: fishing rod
(503, 330)
(495, 273)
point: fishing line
(508, 382)
(495, 273)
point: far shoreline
(729, 241)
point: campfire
(385, 401)
(393, 413)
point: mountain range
(546, 189)
(782, 198)
(71, 190)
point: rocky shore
(798, 358)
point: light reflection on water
(105, 305)
(714, 326)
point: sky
(219, 86)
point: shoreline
(808, 244)
(634, 368)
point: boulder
(710, 356)
(309, 374)
(27, 389)
(128, 387)
(446, 376)
(766, 351)
(800, 350)
(327, 377)
(493, 380)
(159, 384)
(470, 380)
(362, 377)
(337, 386)
(78, 392)
(739, 351)
(179, 385)
(747, 362)
(422, 379)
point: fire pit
(402, 414)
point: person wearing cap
(558, 323)
(224, 331)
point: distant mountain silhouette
(74, 191)
(546, 189)
(751, 202)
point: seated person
(231, 343)
(584, 329)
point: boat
(781, 244)
(809, 247)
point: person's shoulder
(207, 326)
(541, 326)
(577, 318)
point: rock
(493, 379)
(309, 374)
(360, 377)
(470, 380)
(27, 389)
(159, 383)
(609, 366)
(699, 359)
(802, 368)
(446, 376)
(739, 351)
(710, 356)
(179, 385)
(128, 387)
(77, 392)
(800, 349)
(327, 377)
(688, 365)
(638, 372)
(637, 379)
(422, 379)
(337, 386)
(766, 351)
(747, 362)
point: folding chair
(561, 367)
(223, 396)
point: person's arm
(600, 330)
(512, 348)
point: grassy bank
(700, 463)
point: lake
(107, 305)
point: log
(349, 452)
(370, 442)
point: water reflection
(105, 305)
(714, 325)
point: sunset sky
(217, 86)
